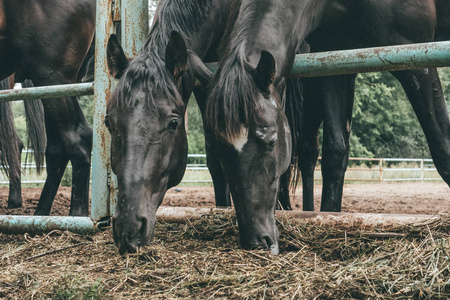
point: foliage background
(384, 124)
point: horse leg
(424, 92)
(68, 138)
(80, 157)
(284, 202)
(15, 185)
(221, 187)
(308, 144)
(338, 98)
(56, 164)
(11, 147)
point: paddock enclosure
(199, 257)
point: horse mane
(232, 101)
(294, 113)
(179, 15)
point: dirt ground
(396, 198)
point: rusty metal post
(102, 90)
(134, 16)
(134, 23)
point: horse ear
(176, 54)
(203, 74)
(117, 61)
(265, 71)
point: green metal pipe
(39, 224)
(53, 91)
(394, 58)
(102, 92)
(134, 14)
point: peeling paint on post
(102, 90)
(41, 224)
(394, 58)
(53, 91)
(134, 16)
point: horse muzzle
(130, 233)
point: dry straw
(202, 260)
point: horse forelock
(233, 102)
(147, 74)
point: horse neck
(281, 29)
(199, 22)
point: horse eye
(173, 124)
(271, 145)
(107, 122)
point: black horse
(11, 150)
(279, 29)
(145, 114)
(370, 24)
(47, 41)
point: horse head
(145, 117)
(254, 155)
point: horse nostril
(144, 226)
(271, 245)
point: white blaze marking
(273, 102)
(240, 141)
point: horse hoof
(12, 205)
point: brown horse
(47, 41)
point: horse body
(331, 98)
(145, 114)
(46, 41)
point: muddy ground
(398, 198)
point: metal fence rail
(364, 170)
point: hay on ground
(202, 260)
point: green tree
(19, 120)
(195, 133)
(384, 122)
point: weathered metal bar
(102, 90)
(53, 91)
(39, 224)
(394, 58)
(360, 220)
(134, 14)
